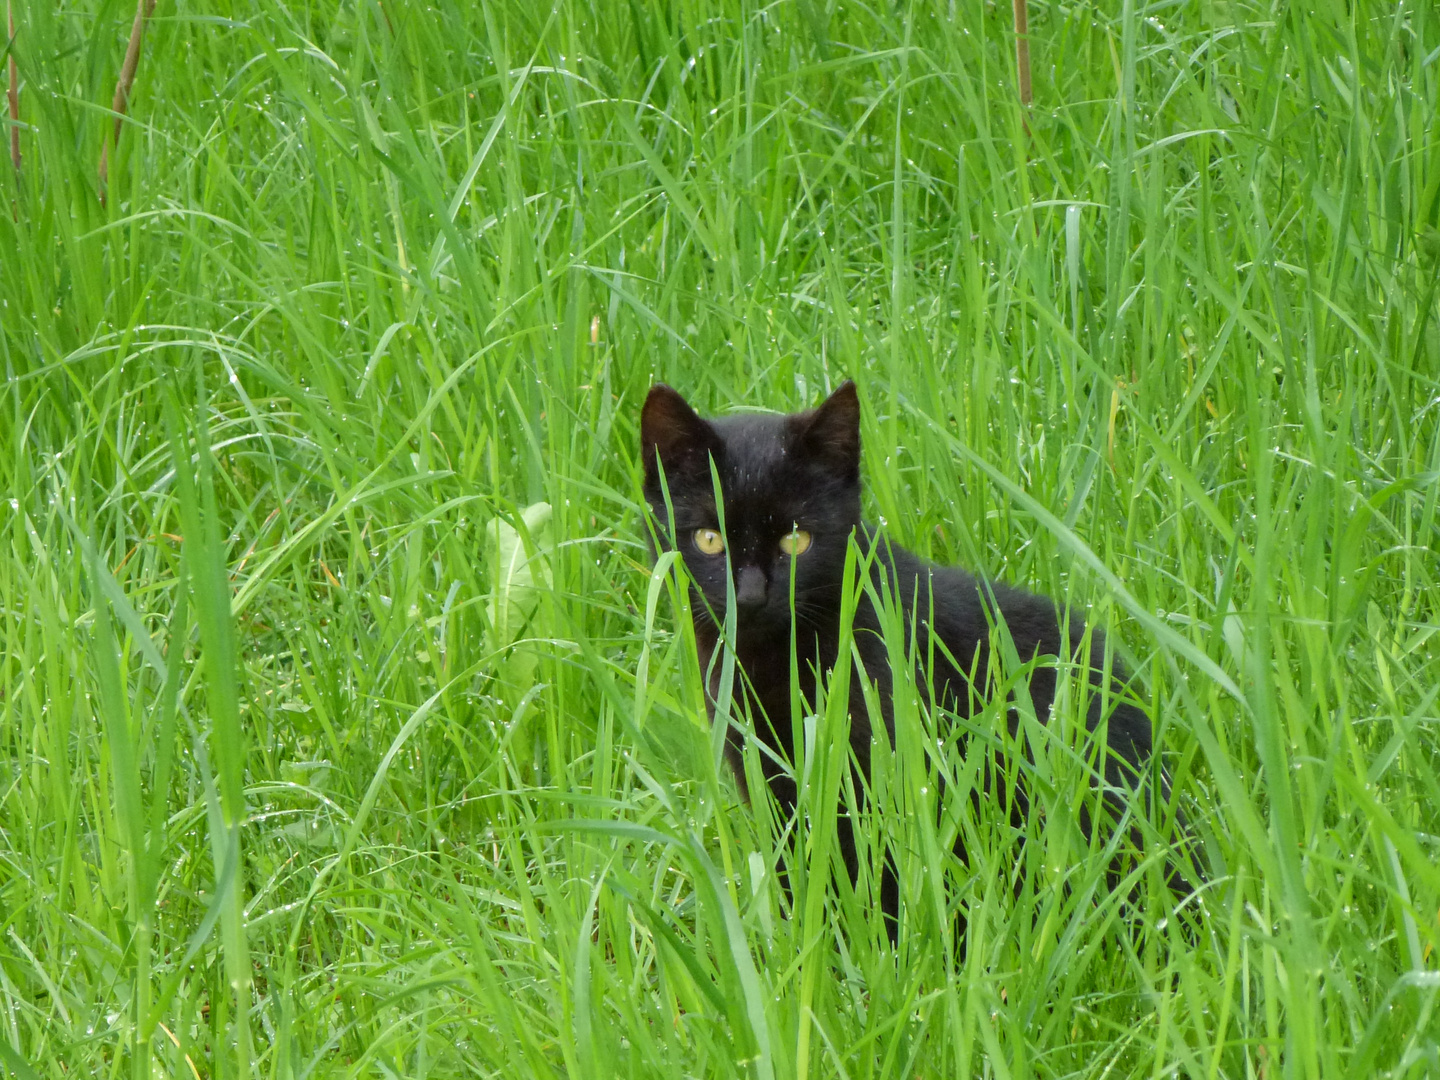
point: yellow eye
(795, 543)
(709, 541)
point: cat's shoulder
(962, 599)
(916, 577)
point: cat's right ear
(830, 433)
(673, 432)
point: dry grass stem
(1022, 50)
(13, 92)
(124, 84)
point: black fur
(803, 470)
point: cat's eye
(709, 541)
(795, 543)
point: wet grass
(328, 751)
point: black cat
(791, 502)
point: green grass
(373, 279)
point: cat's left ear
(672, 432)
(831, 432)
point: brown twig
(14, 92)
(123, 85)
(1022, 50)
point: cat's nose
(750, 588)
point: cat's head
(791, 499)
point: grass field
(328, 752)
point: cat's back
(960, 607)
